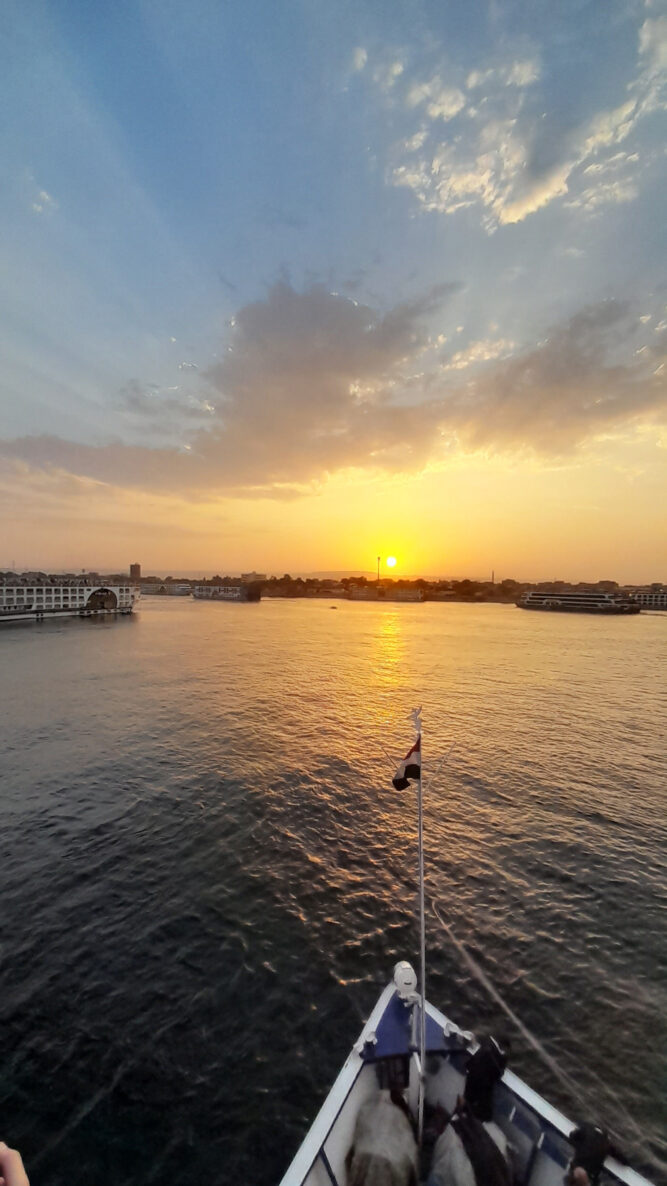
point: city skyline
(387, 576)
(297, 287)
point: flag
(410, 767)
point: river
(207, 875)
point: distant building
(253, 576)
(135, 572)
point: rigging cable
(566, 1080)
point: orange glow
(524, 519)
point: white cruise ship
(37, 598)
(653, 597)
(583, 601)
(233, 591)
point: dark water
(206, 876)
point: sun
(391, 562)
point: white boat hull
(536, 1132)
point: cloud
(442, 102)
(167, 411)
(518, 74)
(43, 203)
(512, 158)
(313, 383)
(310, 383)
(608, 128)
(611, 181)
(359, 58)
(565, 391)
(610, 192)
(481, 351)
(386, 76)
(451, 178)
(492, 167)
(653, 42)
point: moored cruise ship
(39, 597)
(583, 601)
(228, 591)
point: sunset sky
(288, 286)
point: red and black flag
(410, 767)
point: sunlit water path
(206, 875)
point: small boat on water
(408, 1073)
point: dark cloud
(566, 390)
(307, 387)
(312, 383)
(309, 384)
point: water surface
(206, 875)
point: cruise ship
(234, 591)
(39, 597)
(583, 601)
(653, 597)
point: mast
(416, 720)
(410, 770)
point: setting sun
(391, 561)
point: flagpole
(422, 977)
(416, 720)
(410, 769)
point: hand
(579, 1177)
(12, 1172)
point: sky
(288, 287)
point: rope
(557, 1071)
(566, 1080)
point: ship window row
(39, 596)
(57, 591)
(20, 593)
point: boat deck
(385, 1056)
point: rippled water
(206, 875)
